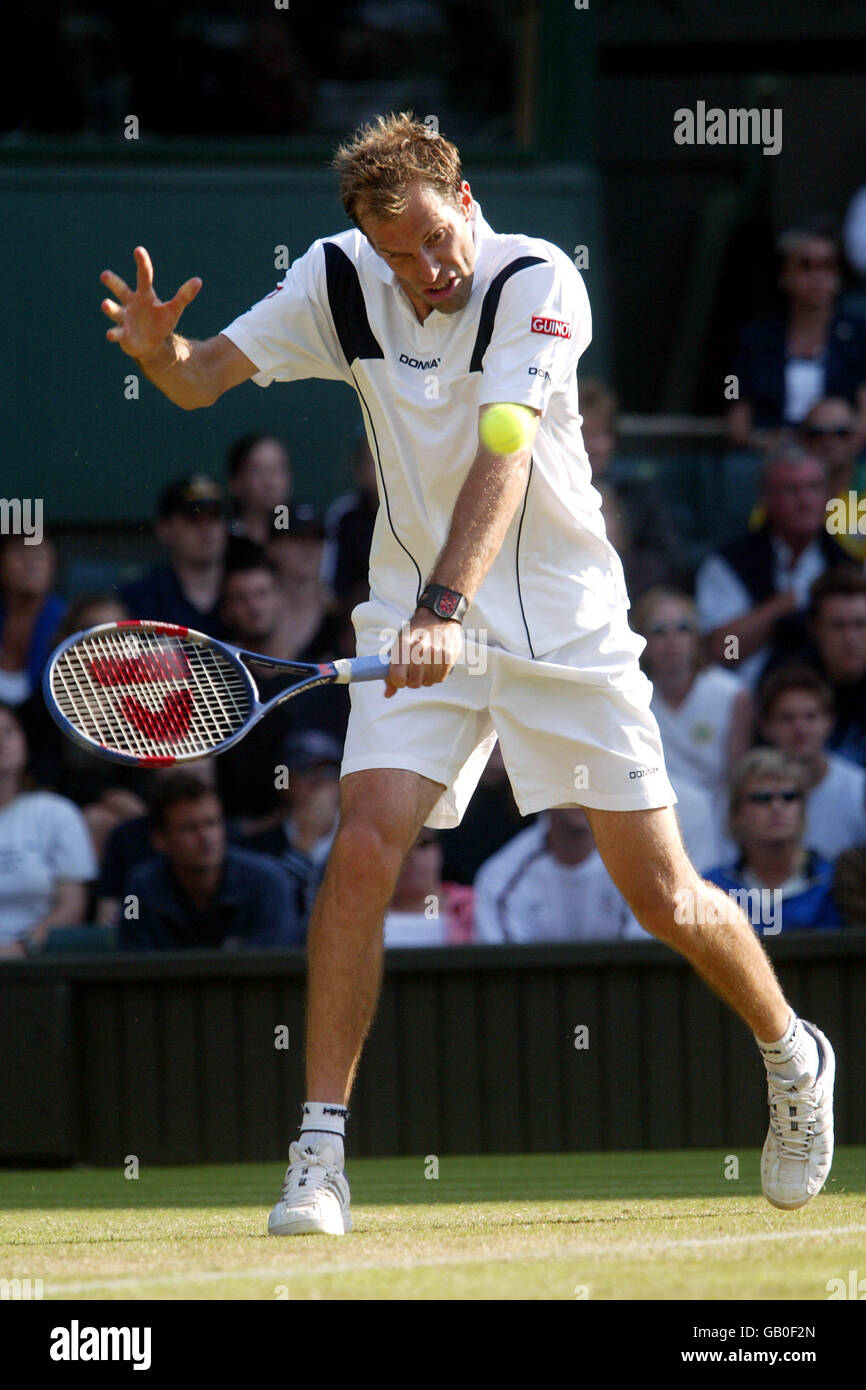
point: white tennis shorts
(564, 741)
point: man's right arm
(192, 374)
(195, 374)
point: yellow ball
(505, 429)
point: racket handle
(362, 668)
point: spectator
(46, 856)
(192, 527)
(106, 793)
(849, 886)
(202, 892)
(489, 822)
(130, 844)
(301, 838)
(424, 910)
(29, 614)
(705, 713)
(790, 886)
(829, 430)
(310, 628)
(796, 716)
(788, 362)
(838, 627)
(253, 609)
(260, 481)
(549, 884)
(349, 524)
(755, 589)
(637, 519)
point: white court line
(466, 1257)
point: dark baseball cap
(195, 493)
(306, 748)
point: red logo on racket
(168, 724)
(139, 670)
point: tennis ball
(505, 428)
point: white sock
(795, 1053)
(324, 1124)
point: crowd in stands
(757, 658)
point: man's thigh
(392, 801)
(643, 853)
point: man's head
(828, 431)
(810, 264)
(794, 493)
(296, 550)
(767, 805)
(796, 712)
(188, 826)
(250, 603)
(666, 618)
(402, 184)
(260, 473)
(837, 621)
(569, 834)
(191, 521)
(598, 409)
(26, 571)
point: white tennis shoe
(799, 1147)
(314, 1199)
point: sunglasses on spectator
(816, 263)
(659, 629)
(817, 431)
(765, 798)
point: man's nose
(428, 269)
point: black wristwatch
(445, 603)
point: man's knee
(368, 851)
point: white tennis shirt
(341, 314)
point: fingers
(186, 294)
(112, 310)
(119, 288)
(144, 265)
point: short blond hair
(385, 157)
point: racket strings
(148, 694)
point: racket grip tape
(363, 668)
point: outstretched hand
(141, 321)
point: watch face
(446, 605)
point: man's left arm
(542, 326)
(485, 507)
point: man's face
(770, 812)
(795, 496)
(193, 838)
(194, 538)
(27, 570)
(797, 724)
(671, 638)
(599, 440)
(840, 631)
(13, 745)
(811, 273)
(829, 433)
(265, 478)
(430, 249)
(296, 557)
(250, 604)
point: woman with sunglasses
(789, 886)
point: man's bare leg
(644, 855)
(382, 812)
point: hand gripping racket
(150, 694)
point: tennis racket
(150, 694)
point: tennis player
(432, 318)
